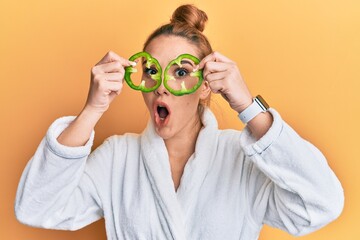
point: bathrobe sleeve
(55, 190)
(290, 184)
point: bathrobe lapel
(198, 165)
(156, 161)
(176, 206)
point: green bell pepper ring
(149, 62)
(183, 89)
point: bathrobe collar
(176, 207)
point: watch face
(263, 102)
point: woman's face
(173, 115)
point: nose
(161, 90)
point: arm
(291, 186)
(79, 131)
(54, 190)
(260, 124)
(222, 76)
(106, 83)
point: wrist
(257, 106)
(90, 116)
(92, 111)
(243, 106)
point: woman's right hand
(106, 82)
(107, 78)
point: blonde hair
(187, 22)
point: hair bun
(189, 15)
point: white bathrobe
(230, 187)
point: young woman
(182, 178)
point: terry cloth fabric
(230, 187)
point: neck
(182, 146)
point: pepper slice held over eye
(181, 84)
(150, 61)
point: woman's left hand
(224, 77)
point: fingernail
(132, 63)
(196, 68)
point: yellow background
(303, 56)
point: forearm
(260, 124)
(79, 131)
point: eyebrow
(187, 62)
(182, 62)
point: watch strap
(258, 106)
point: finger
(212, 67)
(113, 77)
(111, 57)
(114, 87)
(108, 67)
(216, 86)
(213, 57)
(215, 76)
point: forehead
(166, 48)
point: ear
(205, 90)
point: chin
(164, 133)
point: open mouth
(162, 113)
